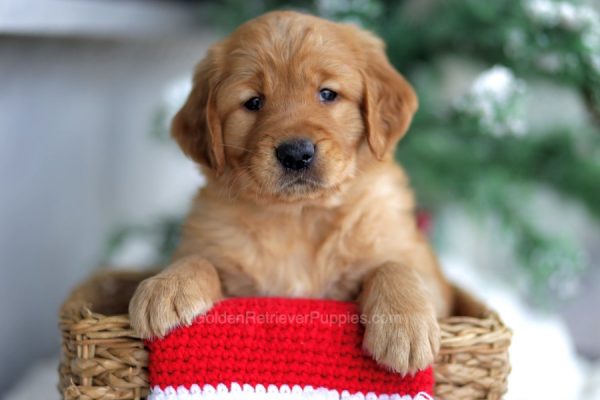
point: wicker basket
(103, 359)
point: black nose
(296, 154)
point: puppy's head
(290, 107)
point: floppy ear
(196, 127)
(389, 101)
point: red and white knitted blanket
(275, 349)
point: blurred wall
(76, 159)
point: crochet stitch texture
(273, 348)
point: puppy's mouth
(304, 181)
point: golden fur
(344, 230)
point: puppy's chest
(305, 257)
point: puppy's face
(290, 107)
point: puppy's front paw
(164, 302)
(404, 342)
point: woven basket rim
(79, 304)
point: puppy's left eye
(254, 104)
(327, 95)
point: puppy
(294, 121)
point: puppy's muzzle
(296, 154)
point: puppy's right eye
(254, 104)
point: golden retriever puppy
(294, 120)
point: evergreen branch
(448, 165)
(501, 32)
(592, 102)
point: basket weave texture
(102, 358)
